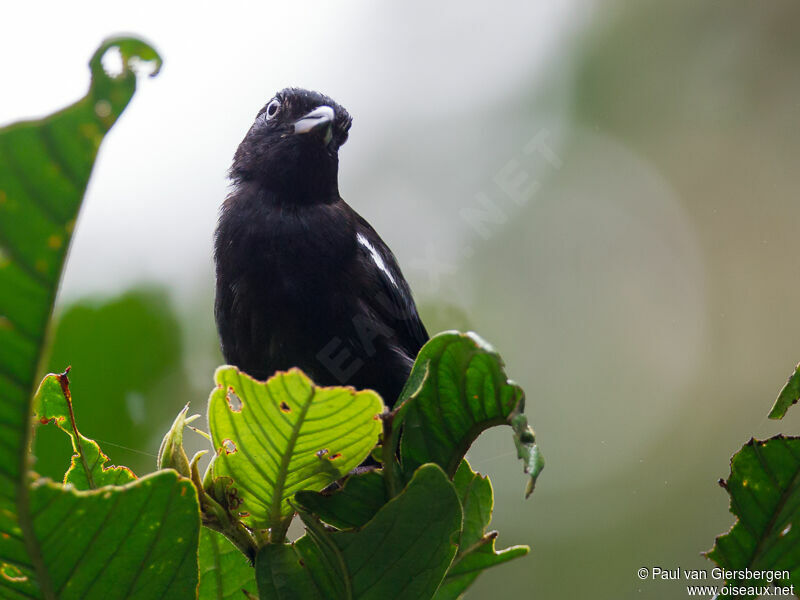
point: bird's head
(293, 146)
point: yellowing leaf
(89, 468)
(284, 435)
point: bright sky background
(153, 200)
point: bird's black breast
(312, 286)
(277, 271)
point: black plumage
(302, 279)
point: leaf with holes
(224, 571)
(476, 550)
(788, 396)
(402, 552)
(464, 391)
(89, 468)
(279, 437)
(764, 486)
(44, 169)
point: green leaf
(789, 395)
(364, 494)
(527, 448)
(281, 575)
(224, 571)
(279, 437)
(476, 497)
(89, 468)
(403, 552)
(464, 391)
(135, 541)
(323, 565)
(44, 169)
(357, 502)
(465, 570)
(764, 486)
(476, 550)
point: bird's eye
(272, 109)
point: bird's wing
(389, 294)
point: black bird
(302, 279)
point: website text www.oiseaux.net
(745, 582)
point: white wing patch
(377, 258)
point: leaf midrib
(280, 479)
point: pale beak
(319, 120)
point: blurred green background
(607, 192)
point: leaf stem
(218, 520)
(389, 453)
(277, 533)
(215, 517)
